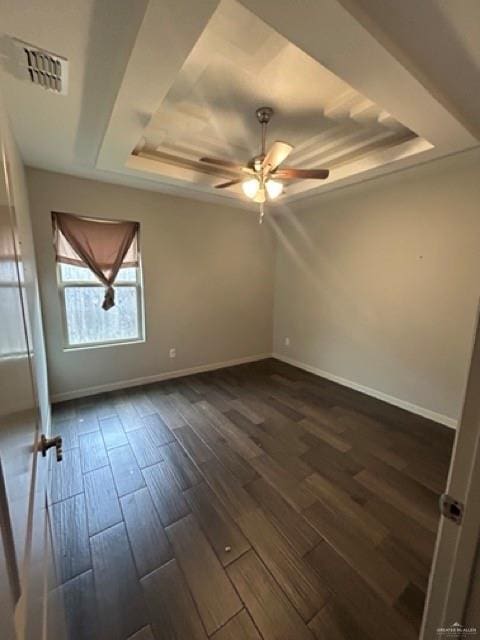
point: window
(86, 323)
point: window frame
(137, 283)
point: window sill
(101, 345)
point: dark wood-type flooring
(251, 502)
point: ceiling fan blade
(277, 153)
(222, 163)
(230, 183)
(287, 173)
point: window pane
(82, 274)
(87, 322)
(127, 274)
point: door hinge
(451, 509)
(48, 443)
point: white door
(451, 591)
(27, 574)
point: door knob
(48, 443)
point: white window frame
(138, 283)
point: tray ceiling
(239, 64)
(156, 84)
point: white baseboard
(167, 375)
(403, 404)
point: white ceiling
(350, 85)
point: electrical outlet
(287, 342)
(172, 353)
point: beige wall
(208, 279)
(378, 284)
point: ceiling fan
(262, 176)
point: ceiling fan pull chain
(262, 213)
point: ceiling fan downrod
(264, 115)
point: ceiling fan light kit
(250, 187)
(274, 188)
(264, 170)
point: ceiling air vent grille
(45, 69)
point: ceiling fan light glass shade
(274, 188)
(251, 187)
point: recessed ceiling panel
(239, 64)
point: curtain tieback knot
(109, 300)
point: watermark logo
(456, 631)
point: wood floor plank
(411, 604)
(144, 447)
(104, 405)
(173, 613)
(103, 509)
(283, 408)
(399, 499)
(92, 451)
(432, 478)
(405, 562)
(185, 472)
(247, 426)
(144, 634)
(196, 448)
(66, 410)
(353, 515)
(113, 432)
(67, 429)
(297, 467)
(159, 431)
(301, 536)
(246, 411)
(227, 488)
(323, 433)
(380, 575)
(369, 452)
(145, 531)
(321, 413)
(140, 401)
(87, 420)
(299, 497)
(169, 414)
(340, 471)
(66, 477)
(240, 627)
(418, 540)
(269, 607)
(129, 416)
(303, 588)
(125, 469)
(120, 599)
(212, 591)
(166, 495)
(370, 612)
(334, 622)
(69, 525)
(217, 399)
(214, 441)
(235, 437)
(223, 534)
(81, 610)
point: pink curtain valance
(104, 246)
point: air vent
(43, 68)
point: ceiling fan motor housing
(264, 114)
